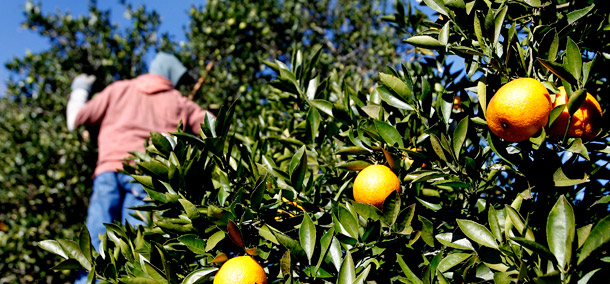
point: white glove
(83, 81)
(81, 86)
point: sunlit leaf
(307, 236)
(452, 260)
(389, 134)
(477, 233)
(347, 274)
(424, 41)
(598, 236)
(575, 15)
(199, 276)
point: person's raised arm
(81, 87)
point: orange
(519, 109)
(241, 270)
(374, 184)
(586, 121)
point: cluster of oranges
(518, 111)
(521, 108)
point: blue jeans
(112, 194)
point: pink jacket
(127, 111)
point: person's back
(125, 113)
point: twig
(201, 80)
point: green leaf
(576, 99)
(550, 44)
(323, 106)
(432, 206)
(258, 192)
(189, 208)
(411, 277)
(73, 251)
(519, 223)
(293, 246)
(199, 276)
(352, 150)
(494, 224)
(560, 178)
(477, 233)
(598, 236)
(443, 36)
(449, 239)
(577, 14)
(424, 41)
(68, 264)
(214, 240)
(362, 277)
(392, 100)
(389, 134)
(459, 136)
(586, 70)
(152, 271)
(437, 147)
(536, 247)
(194, 243)
(391, 209)
(334, 252)
(355, 165)
(325, 242)
(582, 233)
(585, 279)
(452, 260)
(427, 230)
(573, 58)
(555, 113)
(298, 168)
(266, 232)
(560, 231)
(313, 123)
(405, 218)
(559, 71)
(396, 84)
(161, 143)
(437, 5)
(307, 236)
(347, 274)
(499, 24)
(53, 247)
(286, 265)
(84, 242)
(346, 223)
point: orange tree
(45, 170)
(472, 206)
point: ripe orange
(241, 270)
(374, 184)
(586, 121)
(519, 109)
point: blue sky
(16, 40)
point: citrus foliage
(45, 180)
(46, 170)
(472, 207)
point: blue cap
(168, 66)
